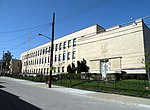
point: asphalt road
(24, 95)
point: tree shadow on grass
(9, 101)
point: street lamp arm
(44, 36)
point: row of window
(59, 57)
(48, 49)
(62, 57)
(59, 46)
(45, 70)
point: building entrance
(104, 68)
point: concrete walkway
(91, 94)
(101, 96)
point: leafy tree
(82, 66)
(78, 67)
(71, 68)
(6, 60)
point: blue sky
(20, 19)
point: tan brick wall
(125, 42)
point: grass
(126, 87)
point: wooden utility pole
(51, 54)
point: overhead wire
(25, 29)
(19, 37)
(72, 15)
(89, 35)
(92, 5)
(82, 11)
(32, 37)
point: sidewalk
(91, 94)
(102, 96)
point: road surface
(24, 95)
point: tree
(7, 57)
(78, 67)
(82, 66)
(71, 68)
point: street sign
(52, 68)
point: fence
(93, 82)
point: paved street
(25, 95)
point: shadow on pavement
(2, 86)
(9, 101)
(2, 82)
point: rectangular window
(58, 69)
(64, 46)
(38, 52)
(74, 42)
(60, 46)
(56, 47)
(68, 56)
(34, 54)
(47, 70)
(43, 51)
(42, 60)
(59, 57)
(63, 69)
(37, 61)
(49, 49)
(64, 56)
(55, 58)
(44, 70)
(46, 50)
(74, 55)
(45, 59)
(48, 59)
(69, 43)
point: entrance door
(104, 68)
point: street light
(44, 36)
(51, 62)
(51, 54)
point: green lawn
(126, 87)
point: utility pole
(51, 57)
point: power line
(13, 39)
(72, 15)
(88, 35)
(6, 32)
(32, 37)
(85, 10)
